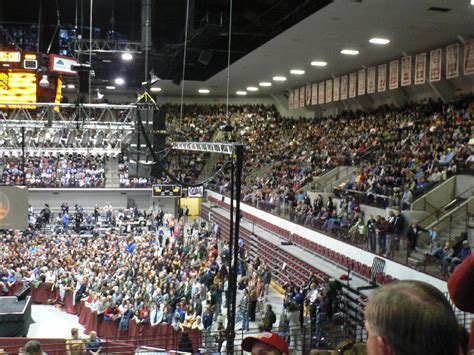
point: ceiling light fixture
(241, 92)
(204, 91)
(127, 56)
(279, 78)
(297, 71)
(155, 89)
(71, 86)
(350, 51)
(252, 88)
(379, 40)
(265, 84)
(119, 81)
(318, 63)
(110, 87)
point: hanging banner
(420, 69)
(344, 87)
(337, 86)
(469, 57)
(321, 93)
(296, 98)
(314, 94)
(435, 65)
(302, 96)
(382, 78)
(352, 85)
(452, 61)
(394, 69)
(361, 82)
(328, 90)
(290, 100)
(308, 94)
(406, 71)
(371, 80)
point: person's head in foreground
(265, 344)
(410, 317)
(33, 347)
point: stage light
(119, 81)
(127, 56)
(110, 87)
(44, 83)
(155, 89)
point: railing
(453, 218)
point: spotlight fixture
(265, 84)
(279, 78)
(100, 96)
(318, 63)
(241, 92)
(350, 51)
(44, 83)
(119, 81)
(379, 41)
(155, 89)
(127, 56)
(71, 86)
(297, 71)
(204, 91)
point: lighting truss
(84, 46)
(30, 151)
(207, 147)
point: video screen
(13, 207)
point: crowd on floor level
(159, 270)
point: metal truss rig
(38, 114)
(207, 147)
(85, 46)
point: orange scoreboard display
(18, 79)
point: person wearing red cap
(266, 343)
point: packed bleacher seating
(54, 171)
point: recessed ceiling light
(119, 81)
(265, 84)
(71, 86)
(279, 78)
(252, 88)
(379, 40)
(350, 51)
(472, 2)
(127, 56)
(318, 63)
(110, 87)
(106, 61)
(204, 91)
(297, 71)
(240, 92)
(155, 89)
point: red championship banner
(328, 90)
(302, 96)
(296, 98)
(352, 85)
(406, 71)
(393, 76)
(382, 78)
(452, 61)
(290, 100)
(420, 69)
(361, 82)
(469, 57)
(370, 80)
(344, 87)
(321, 93)
(308, 94)
(314, 94)
(337, 87)
(435, 65)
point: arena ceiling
(270, 37)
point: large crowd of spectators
(63, 171)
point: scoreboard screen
(167, 191)
(17, 86)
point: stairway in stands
(112, 179)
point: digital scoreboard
(18, 60)
(167, 191)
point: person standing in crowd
(244, 307)
(410, 317)
(398, 229)
(75, 345)
(412, 236)
(108, 212)
(96, 214)
(372, 233)
(269, 319)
